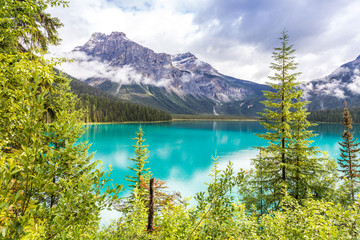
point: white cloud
(339, 93)
(354, 86)
(241, 160)
(161, 28)
(84, 67)
(332, 87)
(107, 216)
(235, 37)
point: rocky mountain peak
(100, 37)
(183, 57)
(116, 64)
(97, 36)
(118, 35)
(117, 50)
(92, 42)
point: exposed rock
(180, 75)
(332, 90)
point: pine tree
(279, 116)
(256, 192)
(141, 152)
(348, 161)
(288, 161)
(305, 159)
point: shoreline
(177, 120)
(219, 119)
(185, 119)
(101, 123)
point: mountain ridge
(178, 83)
(330, 92)
(183, 84)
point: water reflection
(180, 152)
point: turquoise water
(180, 152)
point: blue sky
(236, 37)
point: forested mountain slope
(100, 106)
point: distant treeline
(211, 117)
(102, 107)
(334, 115)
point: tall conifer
(349, 161)
(279, 115)
(288, 161)
(305, 159)
(141, 173)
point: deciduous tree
(49, 186)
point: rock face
(178, 84)
(331, 91)
(117, 51)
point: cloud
(354, 86)
(84, 67)
(106, 216)
(338, 93)
(241, 160)
(235, 37)
(331, 87)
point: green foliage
(141, 153)
(217, 215)
(216, 206)
(175, 221)
(49, 187)
(99, 106)
(47, 179)
(314, 219)
(288, 161)
(139, 183)
(279, 115)
(132, 225)
(333, 115)
(25, 27)
(349, 161)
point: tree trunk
(150, 226)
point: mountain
(175, 83)
(331, 91)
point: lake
(180, 152)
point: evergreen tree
(304, 159)
(349, 161)
(288, 161)
(257, 188)
(141, 152)
(279, 116)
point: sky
(237, 37)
